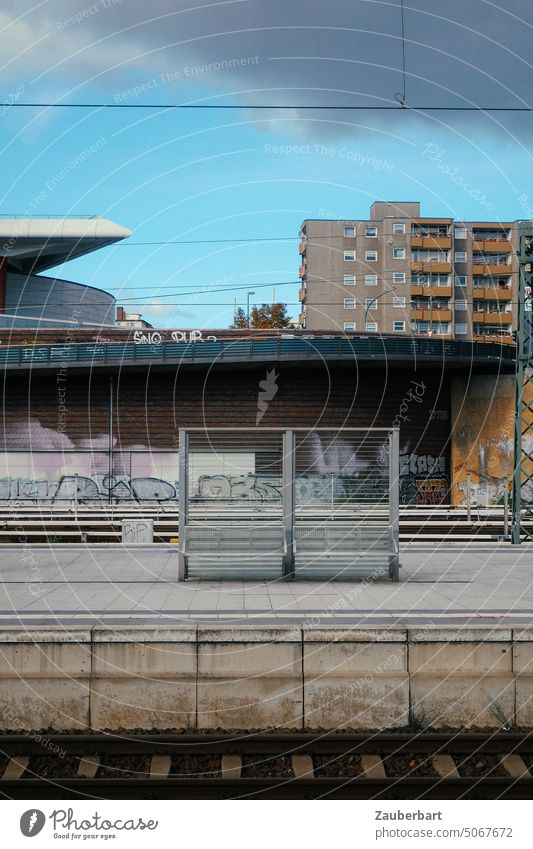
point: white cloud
(278, 52)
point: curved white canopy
(31, 245)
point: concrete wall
(217, 676)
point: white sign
(155, 337)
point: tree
(240, 321)
(269, 315)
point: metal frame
(183, 478)
(523, 414)
(394, 501)
(288, 475)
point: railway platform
(107, 639)
(89, 585)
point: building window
(398, 277)
(398, 253)
(371, 327)
(349, 256)
(461, 305)
(371, 232)
(398, 326)
(429, 279)
(460, 232)
(349, 303)
(460, 280)
(371, 256)
(440, 328)
(398, 229)
(371, 303)
(349, 279)
(349, 232)
(398, 302)
(349, 327)
(461, 329)
(371, 280)
(460, 256)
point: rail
(299, 765)
(228, 350)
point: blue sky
(187, 175)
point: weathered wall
(55, 427)
(233, 678)
(482, 415)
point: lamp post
(248, 309)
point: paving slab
(455, 583)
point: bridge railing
(249, 349)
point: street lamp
(248, 309)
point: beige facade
(400, 273)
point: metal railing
(229, 350)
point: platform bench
(234, 551)
(342, 551)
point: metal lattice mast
(523, 422)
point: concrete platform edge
(261, 677)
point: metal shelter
(303, 503)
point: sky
(253, 175)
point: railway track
(288, 766)
(104, 525)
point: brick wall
(150, 406)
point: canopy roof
(31, 245)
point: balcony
(492, 245)
(302, 270)
(429, 242)
(480, 317)
(302, 294)
(301, 247)
(503, 339)
(492, 270)
(431, 267)
(436, 291)
(492, 294)
(431, 315)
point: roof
(35, 244)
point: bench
(234, 551)
(335, 550)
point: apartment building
(400, 273)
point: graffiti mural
(423, 479)
(249, 487)
(143, 478)
(309, 490)
(86, 490)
